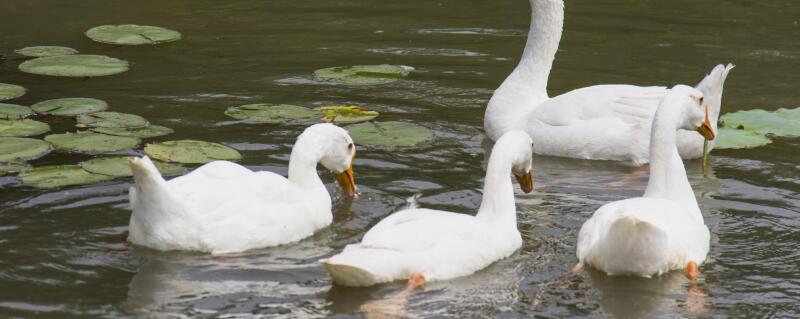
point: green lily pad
(783, 122)
(70, 106)
(10, 91)
(346, 114)
(363, 74)
(132, 34)
(14, 112)
(111, 119)
(59, 176)
(22, 127)
(13, 167)
(45, 50)
(120, 166)
(729, 138)
(78, 65)
(22, 149)
(90, 142)
(273, 113)
(389, 134)
(191, 152)
(140, 132)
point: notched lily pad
(729, 138)
(273, 113)
(14, 112)
(22, 149)
(13, 167)
(59, 176)
(10, 91)
(389, 134)
(191, 152)
(70, 106)
(132, 34)
(45, 50)
(22, 128)
(363, 74)
(342, 114)
(111, 119)
(782, 122)
(90, 142)
(78, 65)
(120, 166)
(140, 132)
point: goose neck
(498, 191)
(668, 178)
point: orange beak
(346, 180)
(705, 129)
(525, 181)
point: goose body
(442, 245)
(603, 122)
(223, 207)
(664, 229)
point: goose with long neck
(603, 122)
(664, 229)
(223, 207)
(426, 244)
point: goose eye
(701, 100)
(350, 147)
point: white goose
(426, 244)
(604, 122)
(223, 207)
(664, 229)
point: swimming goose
(603, 122)
(664, 229)
(223, 207)
(426, 244)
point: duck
(602, 122)
(223, 207)
(423, 245)
(664, 229)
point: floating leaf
(45, 50)
(120, 166)
(363, 74)
(140, 132)
(272, 113)
(390, 134)
(14, 112)
(729, 138)
(60, 175)
(10, 91)
(70, 106)
(13, 167)
(131, 34)
(111, 119)
(79, 65)
(783, 122)
(22, 128)
(90, 142)
(342, 114)
(191, 152)
(22, 149)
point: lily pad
(389, 134)
(22, 149)
(783, 122)
(10, 91)
(45, 50)
(78, 65)
(14, 112)
(70, 106)
(111, 119)
(13, 167)
(346, 114)
(363, 74)
(272, 113)
(60, 175)
(120, 166)
(22, 128)
(140, 132)
(730, 138)
(132, 34)
(90, 142)
(191, 152)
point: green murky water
(63, 255)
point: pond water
(63, 252)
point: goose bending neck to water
(603, 122)
(223, 207)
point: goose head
(518, 147)
(694, 109)
(334, 149)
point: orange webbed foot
(577, 269)
(691, 271)
(415, 281)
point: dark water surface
(63, 252)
